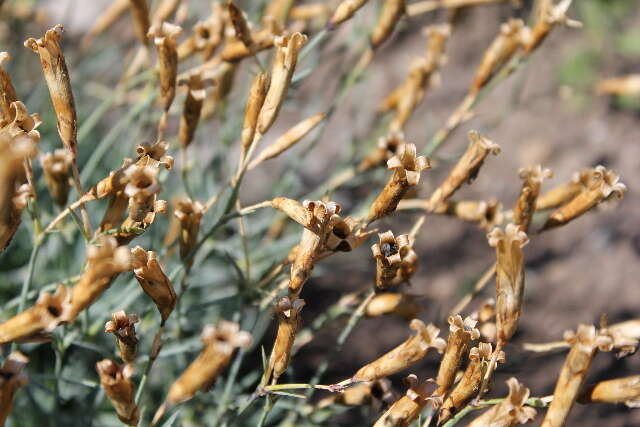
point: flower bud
(620, 390)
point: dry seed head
(437, 37)
(153, 280)
(399, 304)
(20, 125)
(549, 14)
(122, 325)
(345, 10)
(45, 315)
(55, 167)
(7, 91)
(141, 190)
(164, 37)
(389, 256)
(257, 94)
(11, 379)
(191, 109)
(141, 19)
(510, 411)
(154, 154)
(406, 167)
(189, 213)
(392, 11)
(625, 336)
(116, 382)
(240, 25)
(405, 410)
(288, 313)
(346, 234)
(509, 278)
(532, 178)
(56, 74)
(461, 333)
(386, 148)
(404, 355)
(465, 170)
(624, 86)
(620, 390)
(584, 344)
(564, 193)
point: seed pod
(116, 382)
(219, 341)
(548, 15)
(288, 313)
(388, 255)
(141, 189)
(20, 125)
(164, 37)
(386, 148)
(498, 54)
(509, 278)
(11, 211)
(405, 355)
(406, 167)
(189, 213)
(288, 139)
(283, 67)
(153, 280)
(55, 168)
(623, 86)
(257, 94)
(240, 25)
(620, 390)
(409, 94)
(510, 411)
(625, 336)
(564, 193)
(402, 305)
(7, 92)
(45, 315)
(407, 409)
(11, 379)
(345, 10)
(153, 154)
(469, 384)
(465, 170)
(192, 109)
(105, 260)
(141, 20)
(532, 178)
(122, 325)
(603, 185)
(392, 11)
(487, 214)
(374, 393)
(235, 50)
(56, 74)
(584, 344)
(461, 333)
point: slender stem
(479, 286)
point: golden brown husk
(509, 412)
(164, 37)
(392, 11)
(240, 25)
(402, 305)
(564, 193)
(461, 333)
(7, 92)
(192, 109)
(55, 168)
(288, 313)
(116, 382)
(11, 379)
(532, 178)
(407, 409)
(153, 280)
(389, 257)
(345, 10)
(257, 94)
(122, 326)
(141, 20)
(619, 390)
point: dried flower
(549, 14)
(192, 109)
(263, 39)
(625, 336)
(45, 315)
(620, 390)
(153, 280)
(219, 341)
(466, 170)
(389, 257)
(55, 167)
(11, 379)
(625, 85)
(154, 154)
(603, 185)
(206, 35)
(392, 11)
(510, 411)
(532, 178)
(404, 355)
(288, 313)
(189, 213)
(402, 305)
(7, 92)
(141, 20)
(240, 25)
(142, 188)
(406, 410)
(386, 148)
(461, 333)
(345, 10)
(406, 167)
(347, 234)
(116, 382)
(164, 37)
(584, 344)
(257, 94)
(469, 384)
(564, 193)
(122, 325)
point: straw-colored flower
(153, 280)
(392, 11)
(407, 409)
(465, 170)
(620, 390)
(288, 313)
(141, 19)
(219, 341)
(532, 178)
(122, 326)
(189, 213)
(604, 184)
(257, 93)
(564, 193)
(548, 14)
(345, 10)
(344, 236)
(164, 38)
(403, 356)
(154, 154)
(55, 168)
(402, 305)
(8, 93)
(141, 189)
(240, 25)
(191, 109)
(389, 257)
(45, 315)
(625, 336)
(116, 382)
(584, 344)
(406, 167)
(206, 35)
(461, 333)
(11, 379)
(511, 411)
(386, 148)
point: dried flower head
(620, 390)
(392, 11)
(461, 333)
(11, 379)
(189, 213)
(532, 178)
(406, 410)
(345, 235)
(141, 189)
(153, 280)
(240, 25)
(122, 325)
(389, 255)
(55, 167)
(549, 14)
(20, 124)
(564, 193)
(164, 38)
(386, 148)
(510, 411)
(191, 109)
(154, 154)
(487, 214)
(404, 355)
(466, 170)
(116, 382)
(288, 313)
(406, 167)
(625, 336)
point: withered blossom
(487, 214)
(288, 314)
(386, 148)
(392, 11)
(548, 14)
(625, 336)
(240, 25)
(407, 409)
(564, 193)
(619, 390)
(189, 213)
(154, 154)
(55, 168)
(153, 280)
(402, 305)
(461, 333)
(389, 254)
(164, 38)
(116, 382)
(257, 93)
(532, 178)
(465, 170)
(406, 167)
(122, 326)
(11, 379)
(192, 108)
(510, 411)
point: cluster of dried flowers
(475, 344)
